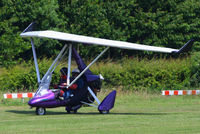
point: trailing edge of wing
(98, 41)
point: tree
(15, 16)
(167, 23)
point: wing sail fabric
(92, 40)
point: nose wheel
(40, 111)
(104, 112)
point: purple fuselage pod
(46, 101)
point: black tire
(75, 108)
(104, 112)
(40, 111)
(68, 110)
(75, 111)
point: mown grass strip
(133, 113)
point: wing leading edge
(102, 42)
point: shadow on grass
(89, 113)
(111, 113)
(33, 112)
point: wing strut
(69, 63)
(45, 82)
(88, 67)
(35, 60)
(94, 96)
(57, 58)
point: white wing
(93, 40)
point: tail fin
(187, 47)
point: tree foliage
(168, 23)
(15, 16)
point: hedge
(129, 74)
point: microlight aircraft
(45, 97)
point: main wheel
(68, 110)
(75, 111)
(104, 112)
(40, 111)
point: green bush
(155, 74)
(23, 77)
(195, 70)
(128, 74)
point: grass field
(133, 113)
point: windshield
(44, 86)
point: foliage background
(125, 74)
(168, 23)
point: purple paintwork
(108, 102)
(46, 101)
